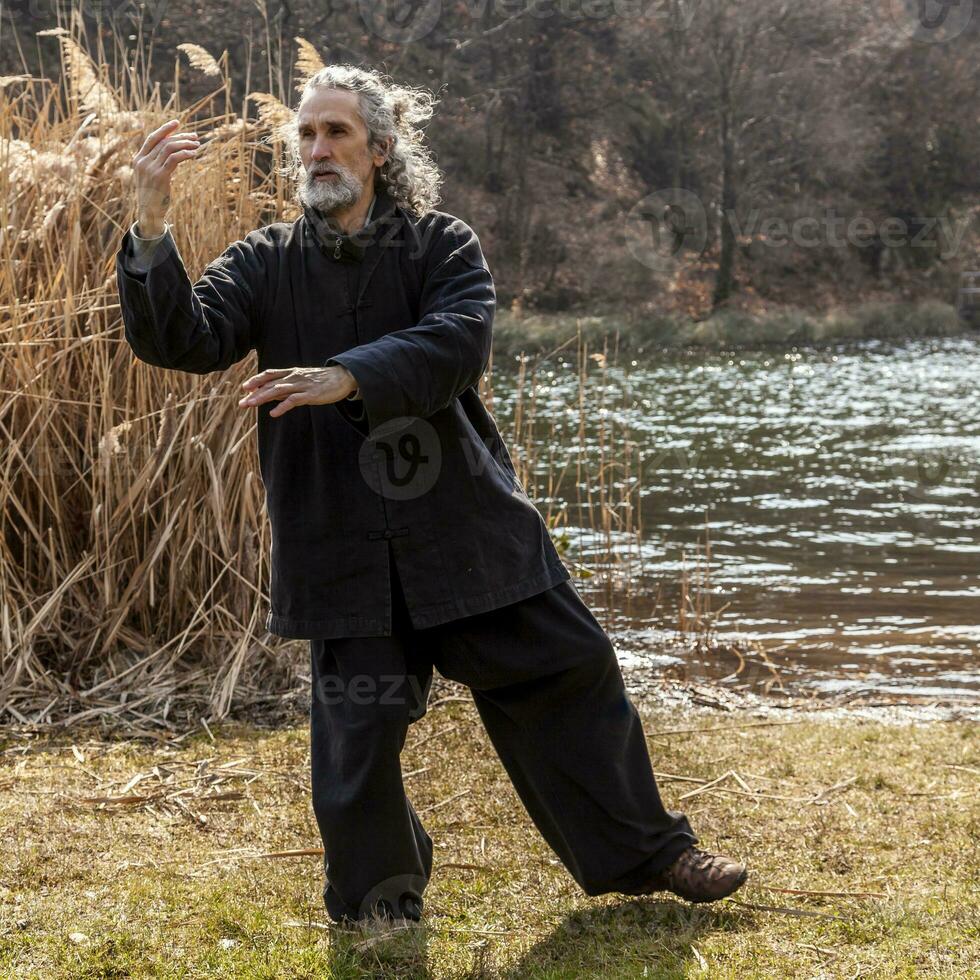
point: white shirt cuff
(145, 248)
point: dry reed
(132, 541)
(133, 544)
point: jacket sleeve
(199, 328)
(415, 372)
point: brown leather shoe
(701, 877)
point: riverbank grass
(164, 877)
(540, 333)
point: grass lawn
(168, 881)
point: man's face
(333, 147)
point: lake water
(839, 488)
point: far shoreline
(540, 333)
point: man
(402, 539)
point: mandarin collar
(348, 248)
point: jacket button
(387, 535)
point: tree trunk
(726, 260)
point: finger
(157, 135)
(291, 402)
(162, 153)
(270, 391)
(264, 376)
(159, 147)
(171, 162)
(263, 394)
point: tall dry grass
(133, 540)
(133, 544)
(592, 487)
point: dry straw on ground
(857, 839)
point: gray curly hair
(390, 112)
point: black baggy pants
(550, 692)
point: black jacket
(415, 469)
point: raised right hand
(154, 164)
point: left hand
(298, 386)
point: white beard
(332, 194)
